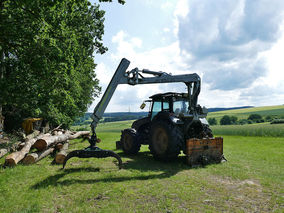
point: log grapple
(93, 151)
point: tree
(256, 118)
(212, 121)
(46, 58)
(225, 120)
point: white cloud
(235, 46)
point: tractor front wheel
(129, 142)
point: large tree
(47, 58)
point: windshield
(180, 106)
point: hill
(273, 111)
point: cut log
(60, 156)
(15, 157)
(32, 135)
(44, 142)
(37, 156)
(3, 152)
(20, 146)
(58, 146)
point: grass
(251, 181)
(274, 111)
(261, 129)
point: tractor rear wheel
(166, 140)
(129, 142)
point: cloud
(224, 39)
(166, 58)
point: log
(3, 152)
(59, 146)
(37, 156)
(15, 157)
(60, 156)
(32, 135)
(44, 142)
(20, 146)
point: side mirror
(142, 105)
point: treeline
(111, 117)
(253, 118)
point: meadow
(252, 180)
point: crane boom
(134, 77)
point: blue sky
(236, 46)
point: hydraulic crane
(186, 121)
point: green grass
(274, 111)
(251, 181)
(261, 129)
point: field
(251, 181)
(274, 111)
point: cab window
(157, 107)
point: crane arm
(134, 77)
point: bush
(268, 118)
(227, 120)
(244, 121)
(256, 118)
(277, 121)
(212, 121)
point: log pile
(37, 146)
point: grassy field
(251, 181)
(274, 111)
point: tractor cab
(174, 103)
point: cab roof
(168, 95)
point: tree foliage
(46, 58)
(212, 121)
(256, 118)
(228, 120)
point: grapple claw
(93, 152)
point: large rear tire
(129, 141)
(166, 140)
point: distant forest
(124, 116)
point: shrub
(243, 121)
(277, 121)
(256, 118)
(227, 120)
(212, 121)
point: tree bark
(15, 157)
(60, 156)
(32, 135)
(37, 156)
(42, 143)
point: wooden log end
(59, 158)
(10, 162)
(40, 145)
(30, 158)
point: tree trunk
(60, 156)
(42, 143)
(37, 156)
(2, 69)
(15, 157)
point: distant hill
(276, 112)
(122, 116)
(230, 108)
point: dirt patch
(247, 195)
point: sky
(236, 46)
